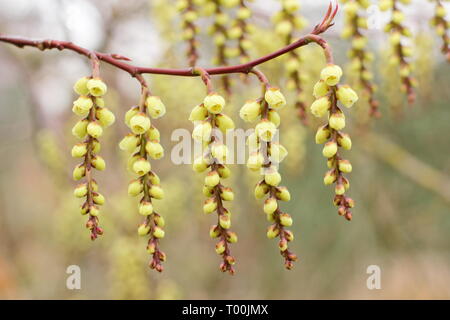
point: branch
(118, 61)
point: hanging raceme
(360, 57)
(143, 144)
(442, 27)
(91, 106)
(287, 21)
(188, 9)
(239, 31)
(328, 92)
(210, 124)
(400, 52)
(265, 155)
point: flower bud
(250, 111)
(274, 117)
(202, 131)
(105, 117)
(94, 129)
(198, 113)
(330, 177)
(214, 231)
(199, 164)
(130, 114)
(94, 211)
(320, 107)
(96, 87)
(145, 208)
(322, 134)
(153, 134)
(225, 221)
(345, 166)
(398, 17)
(224, 171)
(79, 172)
(344, 141)
(80, 191)
(277, 152)
(283, 245)
(283, 194)
(270, 217)
(143, 229)
(214, 102)
(79, 150)
(210, 205)
(98, 198)
(79, 130)
(330, 149)
(261, 189)
(275, 98)
(154, 149)
(253, 142)
(227, 194)
(80, 86)
(158, 233)
(135, 187)
(283, 28)
(272, 232)
(94, 185)
(129, 143)
(155, 107)
(265, 130)
(219, 152)
(331, 74)
(232, 237)
(272, 177)
(347, 96)
(141, 166)
(100, 102)
(82, 105)
(212, 179)
(255, 161)
(270, 205)
(289, 235)
(156, 192)
(337, 120)
(339, 189)
(98, 163)
(140, 123)
(220, 247)
(285, 220)
(224, 122)
(208, 191)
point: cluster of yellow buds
(188, 8)
(143, 144)
(328, 92)
(210, 123)
(239, 31)
(91, 106)
(265, 155)
(287, 21)
(360, 57)
(442, 26)
(400, 52)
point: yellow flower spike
(345, 166)
(270, 205)
(214, 102)
(227, 194)
(265, 130)
(250, 111)
(198, 113)
(331, 74)
(96, 87)
(320, 89)
(274, 117)
(344, 141)
(224, 122)
(337, 120)
(135, 187)
(347, 96)
(94, 129)
(212, 179)
(98, 163)
(79, 172)
(255, 161)
(158, 233)
(130, 114)
(202, 131)
(273, 232)
(320, 107)
(155, 107)
(210, 205)
(156, 192)
(330, 177)
(329, 149)
(140, 123)
(141, 166)
(80, 86)
(285, 220)
(79, 130)
(154, 149)
(82, 105)
(275, 98)
(261, 189)
(98, 198)
(272, 177)
(143, 230)
(80, 191)
(225, 221)
(129, 143)
(214, 231)
(283, 194)
(322, 134)
(220, 247)
(79, 150)
(105, 117)
(199, 164)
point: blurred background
(400, 181)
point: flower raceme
(143, 144)
(91, 106)
(328, 93)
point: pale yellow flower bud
(283, 28)
(225, 221)
(337, 120)
(331, 74)
(232, 237)
(135, 187)
(344, 141)
(275, 98)
(199, 164)
(130, 114)
(105, 117)
(154, 149)
(224, 171)
(79, 172)
(98, 163)
(98, 198)
(214, 231)
(261, 189)
(227, 194)
(272, 232)
(212, 179)
(220, 247)
(210, 205)
(322, 134)
(214, 102)
(274, 117)
(155, 107)
(158, 233)
(270, 205)
(265, 130)
(80, 86)
(141, 167)
(156, 192)
(82, 105)
(202, 131)
(198, 113)
(94, 129)
(345, 166)
(320, 106)
(79, 150)
(272, 177)
(347, 96)
(219, 152)
(140, 123)
(320, 89)
(129, 143)
(255, 161)
(94, 211)
(143, 230)
(285, 220)
(224, 122)
(398, 17)
(250, 111)
(283, 194)
(330, 149)
(79, 130)
(80, 191)
(330, 177)
(96, 87)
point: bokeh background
(400, 181)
